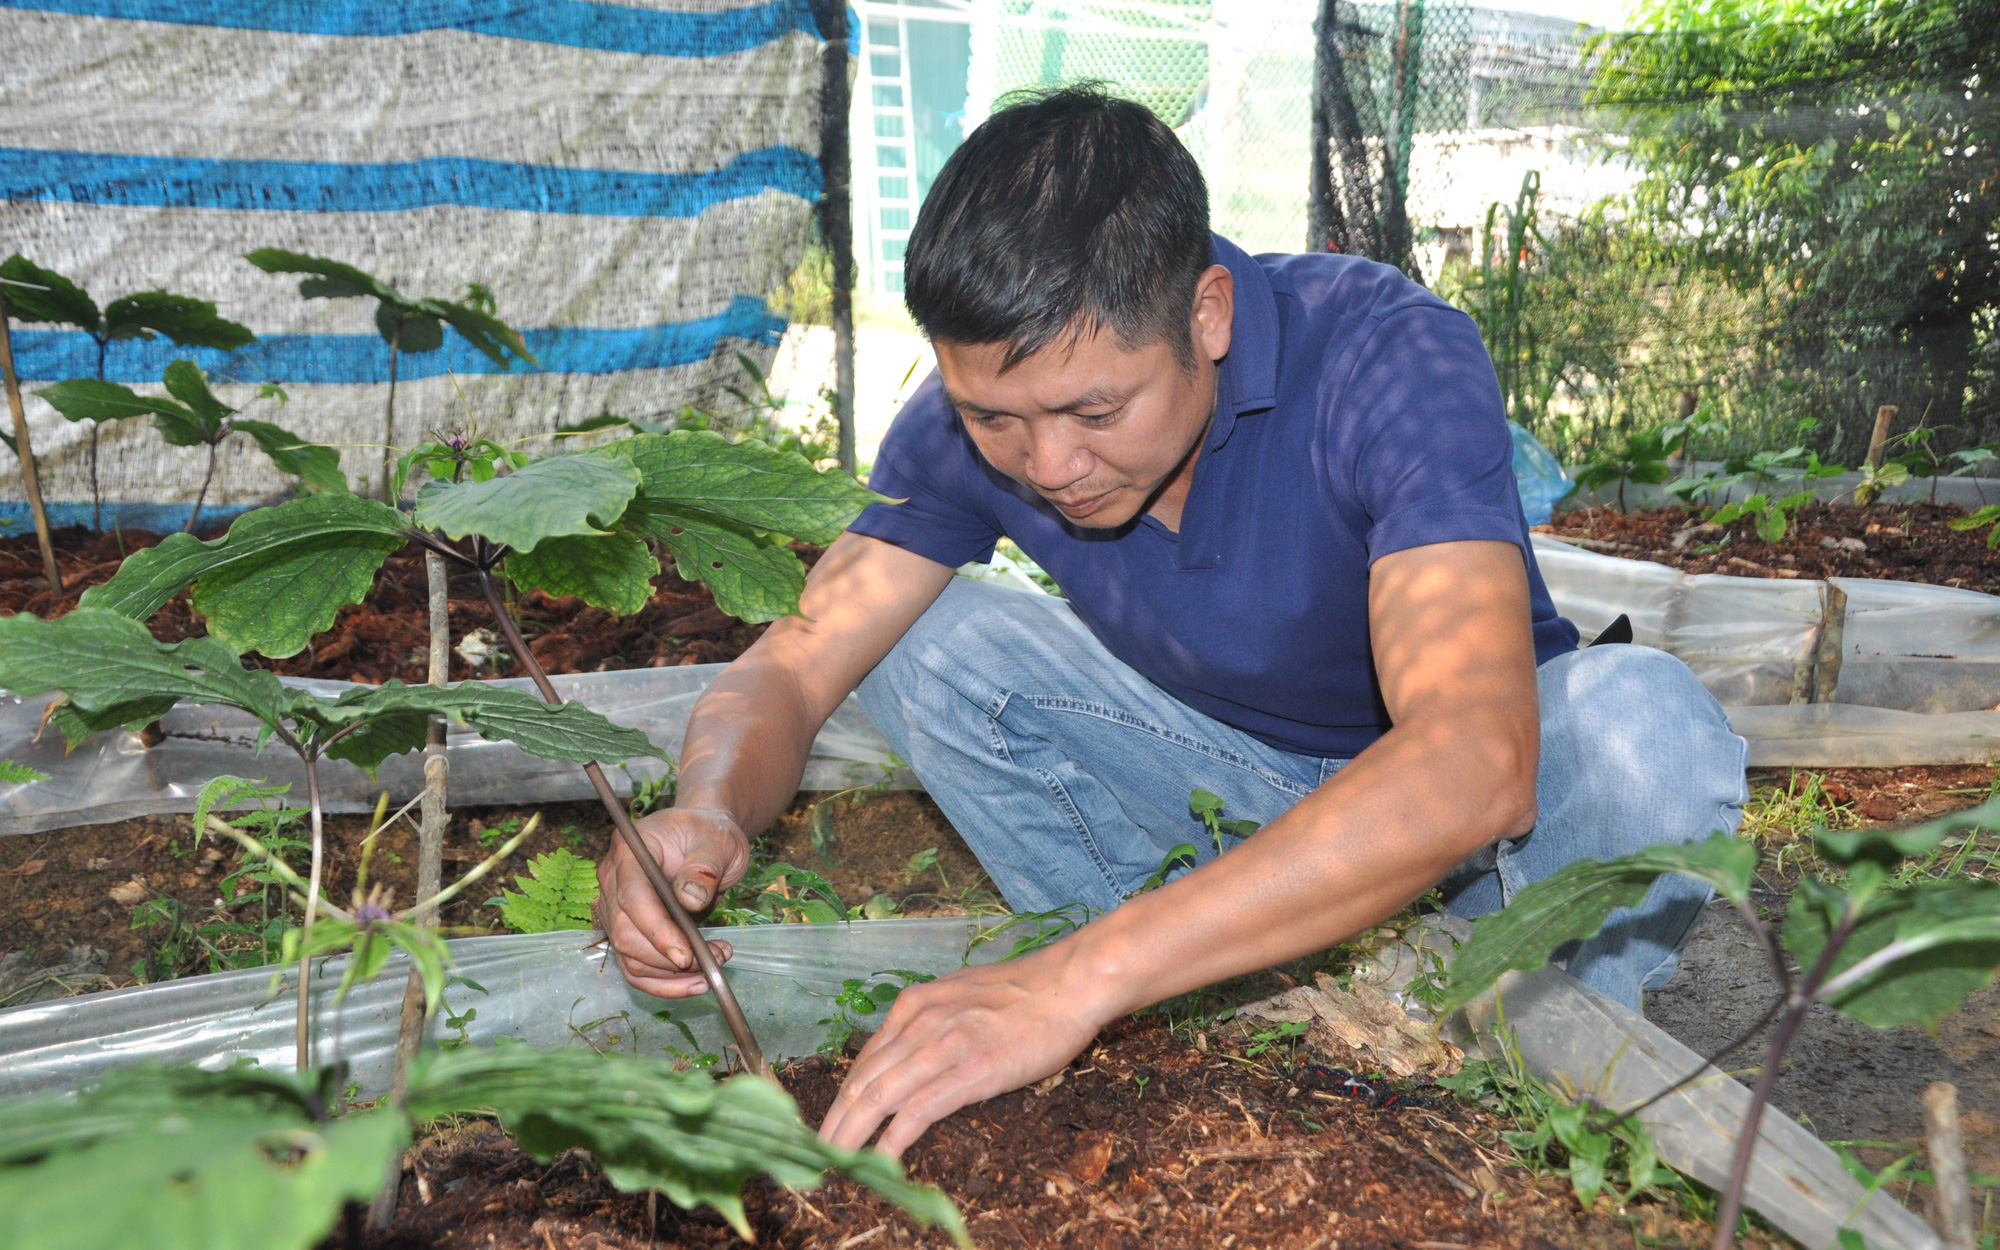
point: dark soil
(1146, 1141)
(385, 636)
(56, 888)
(1896, 542)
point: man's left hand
(961, 1039)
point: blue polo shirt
(1358, 415)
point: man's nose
(1056, 458)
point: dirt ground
(1905, 542)
(1146, 1141)
(385, 635)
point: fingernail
(695, 895)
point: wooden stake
(29, 480)
(1951, 1200)
(1885, 416)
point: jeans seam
(1064, 703)
(1059, 795)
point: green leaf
(1203, 804)
(1574, 902)
(556, 894)
(610, 571)
(1951, 930)
(62, 302)
(87, 399)
(180, 1159)
(750, 579)
(326, 279)
(571, 732)
(12, 774)
(748, 483)
(187, 321)
(612, 421)
(411, 332)
(1589, 1151)
(1887, 846)
(226, 791)
(106, 662)
(551, 498)
(695, 1139)
(493, 337)
(317, 466)
(279, 576)
(187, 383)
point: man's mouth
(1081, 508)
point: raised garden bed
(1906, 542)
(384, 636)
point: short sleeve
(1433, 461)
(927, 462)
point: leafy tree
(406, 324)
(38, 294)
(1845, 154)
(194, 417)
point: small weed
(1045, 928)
(694, 1056)
(780, 894)
(1141, 1080)
(1207, 808)
(649, 794)
(864, 997)
(1181, 856)
(1278, 1037)
(490, 838)
(458, 1022)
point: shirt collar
(1249, 381)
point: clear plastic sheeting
(1919, 648)
(548, 990)
(1744, 637)
(1845, 735)
(116, 776)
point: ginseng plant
(577, 524)
(113, 674)
(43, 295)
(406, 323)
(1881, 943)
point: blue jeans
(1067, 772)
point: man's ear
(1214, 312)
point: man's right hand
(703, 852)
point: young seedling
(405, 323)
(575, 524)
(113, 674)
(192, 416)
(43, 295)
(1880, 947)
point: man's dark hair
(1069, 211)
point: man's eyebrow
(1096, 397)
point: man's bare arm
(747, 744)
(1455, 658)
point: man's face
(1098, 428)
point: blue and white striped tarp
(630, 179)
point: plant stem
(725, 998)
(389, 417)
(303, 1039)
(96, 496)
(30, 481)
(195, 516)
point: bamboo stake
(1951, 1193)
(30, 481)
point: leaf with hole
(750, 579)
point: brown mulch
(1905, 542)
(1146, 1142)
(385, 635)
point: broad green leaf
(180, 1159)
(87, 399)
(693, 1138)
(326, 279)
(187, 321)
(104, 661)
(1953, 932)
(556, 894)
(1886, 846)
(493, 337)
(62, 301)
(1574, 902)
(750, 579)
(551, 498)
(610, 571)
(279, 576)
(612, 421)
(317, 466)
(747, 482)
(187, 383)
(411, 332)
(571, 732)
